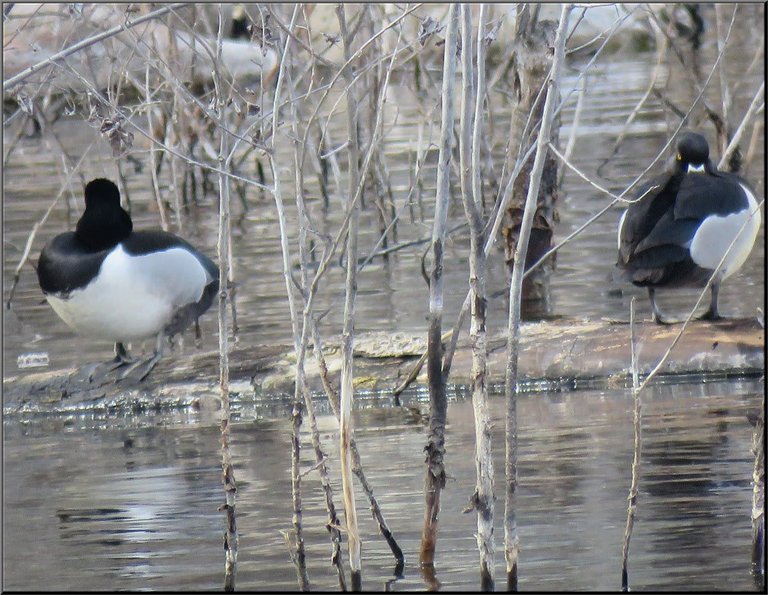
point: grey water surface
(103, 501)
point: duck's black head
(104, 223)
(693, 152)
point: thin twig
(757, 104)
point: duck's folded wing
(669, 231)
(702, 196)
(65, 265)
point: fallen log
(560, 354)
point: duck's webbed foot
(140, 369)
(710, 315)
(97, 372)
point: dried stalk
(504, 197)
(300, 554)
(435, 448)
(511, 539)
(482, 500)
(725, 95)
(224, 256)
(496, 217)
(343, 69)
(153, 156)
(348, 332)
(571, 143)
(357, 465)
(301, 345)
(633, 488)
(311, 327)
(758, 499)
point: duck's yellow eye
(679, 157)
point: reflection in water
(130, 502)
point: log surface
(562, 354)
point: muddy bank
(562, 354)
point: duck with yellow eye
(688, 225)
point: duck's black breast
(65, 264)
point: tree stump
(530, 66)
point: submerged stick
(307, 325)
(310, 325)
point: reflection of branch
(680, 113)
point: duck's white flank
(715, 234)
(133, 297)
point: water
(129, 501)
